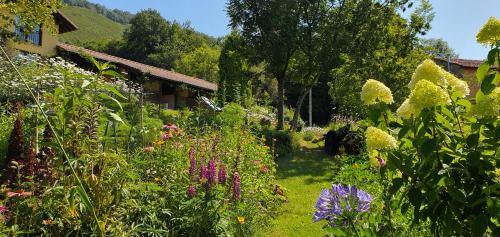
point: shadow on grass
(311, 164)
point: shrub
(445, 161)
(282, 142)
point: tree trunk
(281, 103)
(296, 114)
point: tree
(146, 35)
(233, 70)
(438, 48)
(307, 61)
(201, 63)
(270, 28)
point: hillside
(92, 26)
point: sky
(456, 21)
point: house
(164, 87)
(465, 69)
(41, 41)
(172, 89)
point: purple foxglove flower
(203, 172)
(236, 186)
(191, 192)
(192, 168)
(212, 172)
(222, 175)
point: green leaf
(109, 98)
(115, 91)
(84, 197)
(415, 197)
(482, 71)
(115, 117)
(456, 194)
(113, 74)
(487, 85)
(492, 56)
(479, 225)
(473, 140)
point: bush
(282, 142)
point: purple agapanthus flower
(341, 199)
(212, 172)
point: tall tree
(270, 27)
(233, 68)
(146, 35)
(438, 48)
(377, 43)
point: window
(35, 37)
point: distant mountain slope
(122, 17)
(92, 26)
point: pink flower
(167, 135)
(382, 162)
(18, 194)
(3, 209)
(264, 169)
(149, 149)
(257, 162)
(170, 127)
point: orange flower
(241, 220)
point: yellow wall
(470, 78)
(48, 47)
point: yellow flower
(377, 139)
(457, 85)
(427, 95)
(490, 32)
(488, 106)
(373, 156)
(406, 110)
(241, 220)
(374, 91)
(430, 71)
(157, 179)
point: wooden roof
(156, 72)
(64, 23)
(469, 63)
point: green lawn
(303, 175)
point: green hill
(92, 26)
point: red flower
(264, 169)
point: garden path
(303, 174)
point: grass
(303, 174)
(91, 26)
